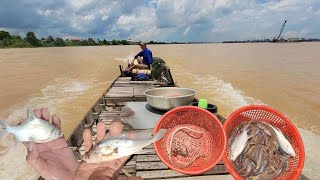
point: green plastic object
(203, 103)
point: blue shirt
(147, 56)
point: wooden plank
(122, 82)
(140, 99)
(147, 158)
(143, 82)
(132, 161)
(155, 165)
(129, 169)
(123, 79)
(148, 152)
(151, 166)
(106, 119)
(117, 100)
(120, 104)
(218, 169)
(120, 96)
(208, 177)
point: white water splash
(219, 91)
(51, 96)
(129, 57)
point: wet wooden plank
(151, 166)
(122, 84)
(129, 169)
(117, 99)
(121, 79)
(132, 161)
(218, 169)
(115, 104)
(155, 165)
(148, 158)
(143, 82)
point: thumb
(34, 159)
(33, 152)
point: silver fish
(113, 149)
(33, 129)
(284, 143)
(239, 143)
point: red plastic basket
(211, 143)
(275, 118)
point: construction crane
(278, 38)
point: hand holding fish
(104, 170)
(52, 159)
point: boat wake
(53, 95)
(215, 90)
(125, 59)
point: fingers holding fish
(56, 121)
(37, 112)
(45, 115)
(116, 128)
(101, 131)
(87, 139)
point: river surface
(69, 80)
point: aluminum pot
(167, 98)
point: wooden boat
(110, 106)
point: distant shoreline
(31, 41)
(156, 44)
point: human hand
(105, 170)
(132, 62)
(53, 159)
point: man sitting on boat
(146, 61)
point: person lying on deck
(147, 60)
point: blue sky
(162, 20)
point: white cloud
(81, 22)
(104, 17)
(185, 32)
(126, 20)
(89, 17)
(164, 20)
(46, 12)
(79, 3)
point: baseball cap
(142, 43)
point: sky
(162, 20)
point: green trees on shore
(14, 41)
(6, 40)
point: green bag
(158, 67)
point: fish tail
(4, 124)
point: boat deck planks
(147, 165)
